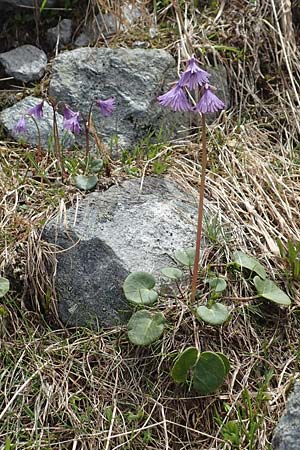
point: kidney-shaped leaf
(185, 361)
(225, 362)
(186, 256)
(214, 315)
(4, 286)
(268, 289)
(138, 288)
(172, 272)
(217, 284)
(208, 373)
(244, 261)
(145, 327)
(85, 182)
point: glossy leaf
(186, 256)
(244, 261)
(172, 272)
(4, 286)
(268, 289)
(215, 314)
(138, 288)
(208, 373)
(185, 361)
(145, 327)
(85, 182)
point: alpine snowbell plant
(71, 122)
(194, 80)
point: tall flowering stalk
(196, 80)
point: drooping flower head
(193, 76)
(20, 126)
(36, 111)
(107, 106)
(209, 102)
(71, 122)
(175, 99)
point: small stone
(131, 13)
(83, 40)
(10, 116)
(140, 44)
(62, 31)
(25, 63)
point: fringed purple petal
(193, 76)
(107, 106)
(175, 99)
(37, 111)
(209, 102)
(20, 126)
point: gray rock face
(25, 63)
(62, 32)
(10, 116)
(287, 433)
(135, 77)
(111, 234)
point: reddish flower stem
(200, 210)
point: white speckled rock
(25, 63)
(112, 233)
(287, 432)
(10, 116)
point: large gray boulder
(108, 235)
(10, 116)
(24, 63)
(135, 77)
(287, 432)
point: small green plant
(4, 286)
(291, 254)
(206, 371)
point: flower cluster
(71, 118)
(192, 78)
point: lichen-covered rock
(10, 116)
(287, 432)
(24, 63)
(135, 77)
(108, 235)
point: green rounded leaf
(208, 373)
(268, 289)
(95, 165)
(4, 286)
(145, 327)
(185, 361)
(214, 315)
(85, 182)
(244, 261)
(217, 284)
(172, 272)
(186, 256)
(225, 362)
(138, 288)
